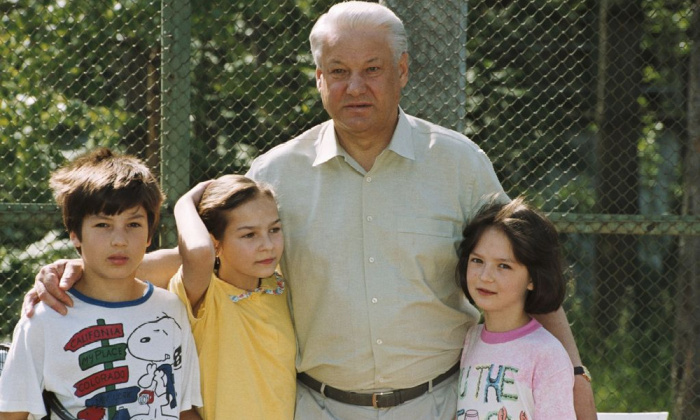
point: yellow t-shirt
(247, 349)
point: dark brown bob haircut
(226, 193)
(103, 182)
(535, 244)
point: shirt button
(380, 342)
(375, 300)
(371, 259)
(370, 218)
(368, 179)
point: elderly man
(373, 203)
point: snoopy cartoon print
(158, 343)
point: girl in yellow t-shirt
(230, 240)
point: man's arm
(159, 266)
(557, 324)
(54, 279)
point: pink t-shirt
(524, 374)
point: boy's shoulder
(164, 294)
(165, 297)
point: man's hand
(584, 403)
(51, 284)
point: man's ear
(319, 78)
(403, 69)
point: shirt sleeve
(487, 187)
(191, 379)
(553, 386)
(21, 382)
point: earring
(217, 264)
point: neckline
(504, 337)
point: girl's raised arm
(195, 244)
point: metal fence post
(175, 109)
(436, 90)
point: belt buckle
(379, 394)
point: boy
(125, 350)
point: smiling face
(112, 247)
(497, 282)
(252, 243)
(360, 83)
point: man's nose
(356, 85)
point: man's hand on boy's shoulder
(50, 286)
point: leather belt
(378, 399)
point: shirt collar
(327, 146)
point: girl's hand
(195, 194)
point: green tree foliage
(78, 74)
(253, 80)
(531, 92)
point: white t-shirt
(105, 360)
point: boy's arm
(195, 245)
(557, 324)
(16, 415)
(54, 279)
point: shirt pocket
(427, 248)
(425, 226)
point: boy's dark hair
(226, 193)
(104, 182)
(535, 244)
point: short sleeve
(21, 382)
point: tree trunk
(619, 130)
(437, 35)
(686, 366)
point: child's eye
(504, 266)
(101, 225)
(475, 260)
(248, 235)
(135, 224)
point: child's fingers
(198, 190)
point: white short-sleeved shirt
(136, 357)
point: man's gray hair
(359, 14)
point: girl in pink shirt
(512, 368)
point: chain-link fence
(583, 106)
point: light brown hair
(226, 193)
